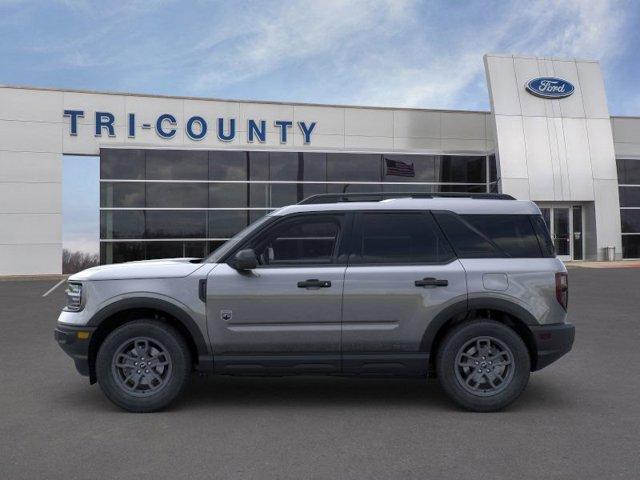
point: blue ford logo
(549, 87)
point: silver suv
(466, 288)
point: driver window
(309, 240)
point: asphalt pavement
(578, 418)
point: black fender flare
(185, 319)
(465, 306)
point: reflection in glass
(177, 195)
(176, 224)
(226, 223)
(176, 165)
(126, 164)
(228, 195)
(121, 224)
(229, 165)
(128, 195)
(561, 237)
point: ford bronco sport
(466, 288)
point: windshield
(230, 244)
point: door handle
(431, 282)
(314, 283)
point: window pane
(466, 242)
(228, 195)
(514, 234)
(628, 171)
(630, 221)
(461, 169)
(196, 249)
(409, 168)
(118, 252)
(176, 165)
(284, 194)
(493, 168)
(177, 195)
(176, 224)
(226, 223)
(631, 246)
(121, 224)
(122, 163)
(306, 241)
(227, 165)
(284, 166)
(164, 250)
(314, 166)
(401, 238)
(258, 166)
(354, 167)
(629, 196)
(122, 195)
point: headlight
(74, 297)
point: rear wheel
(483, 365)
(143, 366)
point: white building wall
(626, 136)
(556, 150)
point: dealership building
(179, 176)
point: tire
(477, 346)
(143, 366)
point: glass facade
(172, 203)
(629, 191)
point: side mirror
(245, 260)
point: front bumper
(552, 342)
(75, 343)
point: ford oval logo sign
(549, 87)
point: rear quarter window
(494, 236)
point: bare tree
(73, 262)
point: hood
(165, 268)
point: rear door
(401, 274)
(284, 315)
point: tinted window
(399, 238)
(228, 166)
(226, 223)
(630, 221)
(513, 234)
(409, 168)
(462, 169)
(628, 171)
(176, 224)
(177, 195)
(176, 165)
(284, 166)
(629, 196)
(631, 246)
(122, 195)
(309, 240)
(467, 242)
(542, 232)
(164, 250)
(354, 167)
(117, 252)
(228, 195)
(122, 163)
(121, 224)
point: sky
(401, 53)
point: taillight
(562, 289)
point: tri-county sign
(196, 127)
(549, 87)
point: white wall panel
(30, 198)
(30, 136)
(270, 113)
(503, 80)
(359, 142)
(539, 165)
(30, 259)
(416, 124)
(578, 159)
(86, 143)
(30, 105)
(626, 129)
(593, 90)
(433, 145)
(368, 122)
(461, 145)
(329, 120)
(516, 187)
(30, 167)
(91, 103)
(511, 147)
(601, 149)
(526, 69)
(571, 106)
(30, 228)
(463, 125)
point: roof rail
(379, 196)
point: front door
(565, 227)
(401, 274)
(285, 315)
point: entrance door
(562, 233)
(565, 228)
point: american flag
(399, 169)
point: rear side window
(398, 238)
(544, 239)
(485, 236)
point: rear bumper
(77, 347)
(552, 342)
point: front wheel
(143, 366)
(483, 365)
